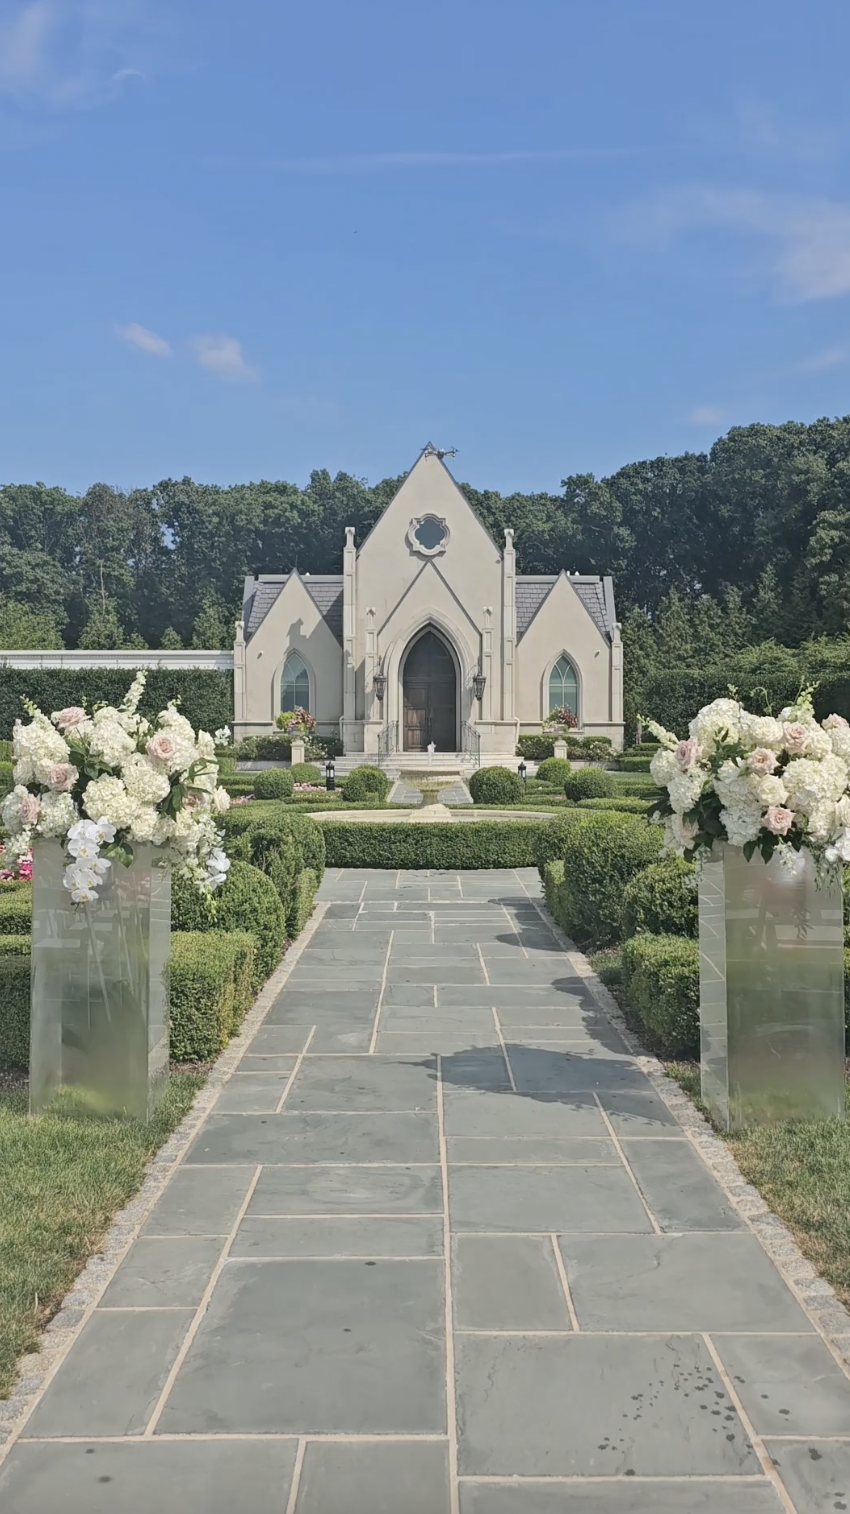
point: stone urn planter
(99, 1016)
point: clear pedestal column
(99, 1023)
(771, 951)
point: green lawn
(62, 1182)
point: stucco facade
(392, 651)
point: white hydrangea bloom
(719, 720)
(809, 781)
(57, 815)
(107, 797)
(742, 824)
(143, 780)
(663, 766)
(839, 738)
(24, 770)
(110, 741)
(822, 821)
(684, 790)
(145, 823)
(12, 807)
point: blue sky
(246, 240)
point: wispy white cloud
(806, 238)
(59, 55)
(377, 162)
(706, 415)
(146, 341)
(224, 357)
(831, 357)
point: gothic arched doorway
(429, 684)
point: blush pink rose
(778, 820)
(195, 800)
(687, 753)
(796, 737)
(162, 748)
(66, 719)
(836, 723)
(30, 808)
(761, 761)
(62, 777)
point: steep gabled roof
(596, 594)
(325, 590)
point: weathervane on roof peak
(431, 451)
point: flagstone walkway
(440, 1249)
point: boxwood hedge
(601, 856)
(470, 844)
(248, 901)
(661, 899)
(211, 977)
(661, 985)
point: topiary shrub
(366, 782)
(554, 837)
(274, 783)
(555, 771)
(633, 764)
(248, 901)
(661, 900)
(495, 786)
(661, 986)
(589, 783)
(601, 856)
(210, 977)
(305, 772)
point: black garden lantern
(479, 681)
(523, 772)
(379, 684)
(330, 775)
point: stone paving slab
(440, 1247)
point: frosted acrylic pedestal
(99, 1022)
(771, 988)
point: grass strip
(63, 1180)
(802, 1171)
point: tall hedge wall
(206, 698)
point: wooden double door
(430, 696)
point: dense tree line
(710, 552)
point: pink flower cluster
(21, 869)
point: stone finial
(509, 539)
(349, 536)
(240, 632)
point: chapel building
(429, 635)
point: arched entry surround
(464, 654)
(429, 693)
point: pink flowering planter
(99, 1018)
(771, 951)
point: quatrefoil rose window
(428, 535)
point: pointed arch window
(563, 686)
(294, 685)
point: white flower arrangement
(103, 782)
(757, 781)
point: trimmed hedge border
(601, 858)
(210, 991)
(14, 1002)
(482, 843)
(661, 985)
(16, 911)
